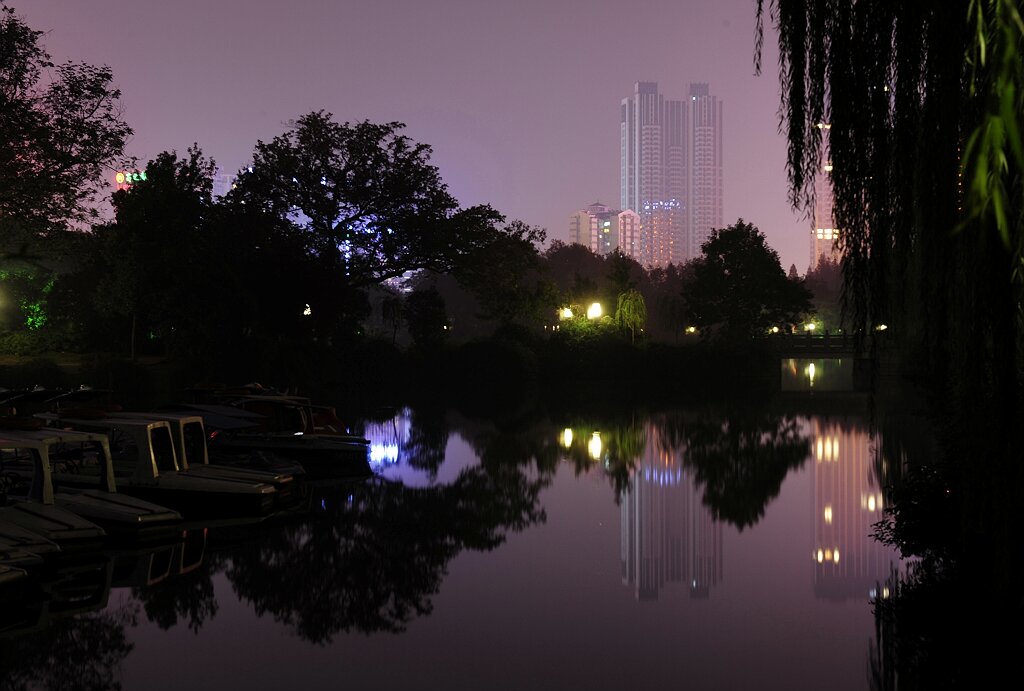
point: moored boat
(28, 498)
(190, 442)
(146, 466)
(82, 478)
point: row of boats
(77, 472)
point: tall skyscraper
(653, 171)
(823, 233)
(671, 170)
(704, 144)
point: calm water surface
(687, 549)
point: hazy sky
(518, 98)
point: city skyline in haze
(517, 100)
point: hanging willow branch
(925, 102)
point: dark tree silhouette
(741, 462)
(739, 289)
(60, 127)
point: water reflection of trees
(83, 652)
(740, 459)
(942, 621)
(375, 553)
(187, 597)
(613, 445)
(428, 440)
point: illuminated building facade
(603, 230)
(652, 136)
(704, 199)
(824, 232)
(222, 183)
(123, 179)
(848, 562)
(668, 535)
(671, 170)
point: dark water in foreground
(686, 549)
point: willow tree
(631, 312)
(923, 103)
(923, 106)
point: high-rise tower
(824, 233)
(704, 156)
(653, 170)
(671, 170)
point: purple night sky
(519, 100)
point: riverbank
(502, 373)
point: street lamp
(594, 311)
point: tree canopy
(918, 108)
(738, 286)
(923, 103)
(366, 196)
(60, 127)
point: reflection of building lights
(594, 311)
(828, 515)
(383, 454)
(832, 555)
(663, 477)
(594, 445)
(567, 437)
(827, 449)
(871, 502)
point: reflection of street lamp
(810, 373)
(594, 311)
(567, 437)
(594, 446)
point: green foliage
(925, 104)
(739, 289)
(631, 312)
(993, 157)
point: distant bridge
(813, 346)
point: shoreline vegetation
(491, 372)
